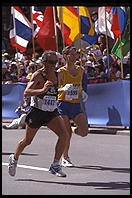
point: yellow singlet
(74, 94)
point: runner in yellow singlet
(69, 96)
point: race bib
(72, 94)
(49, 103)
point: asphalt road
(102, 165)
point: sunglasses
(51, 61)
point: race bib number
(72, 94)
(49, 103)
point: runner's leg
(82, 126)
(69, 130)
(30, 133)
(58, 127)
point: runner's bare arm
(31, 89)
(60, 79)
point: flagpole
(79, 27)
(62, 25)
(79, 36)
(31, 15)
(15, 33)
(107, 44)
(118, 11)
(56, 38)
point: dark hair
(32, 66)
(67, 49)
(48, 53)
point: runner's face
(51, 62)
(72, 56)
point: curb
(95, 130)
(110, 132)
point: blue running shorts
(69, 109)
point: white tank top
(46, 101)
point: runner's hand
(67, 87)
(47, 85)
(84, 96)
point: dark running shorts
(36, 118)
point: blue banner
(11, 95)
(108, 104)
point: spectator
(97, 54)
(90, 71)
(90, 57)
(10, 75)
(107, 59)
(26, 64)
(102, 42)
(14, 72)
(19, 56)
(35, 56)
(99, 74)
(126, 65)
(5, 68)
(22, 75)
(82, 57)
(21, 112)
(31, 69)
(7, 78)
(114, 73)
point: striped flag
(21, 31)
(37, 19)
(104, 22)
(118, 21)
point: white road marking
(28, 167)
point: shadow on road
(29, 154)
(97, 185)
(104, 168)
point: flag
(21, 31)
(118, 20)
(37, 19)
(70, 20)
(102, 23)
(87, 29)
(125, 39)
(46, 35)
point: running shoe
(56, 170)
(12, 165)
(7, 127)
(66, 162)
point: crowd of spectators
(99, 65)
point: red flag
(67, 31)
(115, 23)
(118, 21)
(46, 35)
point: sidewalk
(112, 130)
